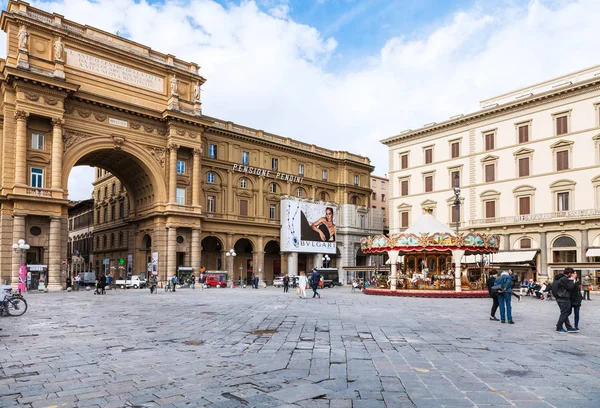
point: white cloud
(266, 71)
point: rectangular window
(490, 209)
(244, 207)
(37, 141)
(37, 177)
(525, 243)
(273, 211)
(324, 175)
(105, 219)
(404, 219)
(113, 212)
(210, 177)
(404, 161)
(428, 184)
(383, 198)
(454, 214)
(180, 167)
(374, 196)
(524, 134)
(212, 151)
(245, 158)
(373, 183)
(562, 202)
(562, 160)
(211, 204)
(121, 210)
(455, 179)
(383, 184)
(362, 222)
(301, 169)
(455, 149)
(274, 164)
(428, 156)
(524, 205)
(490, 172)
(524, 167)
(404, 187)
(489, 141)
(120, 240)
(561, 125)
(356, 180)
(181, 196)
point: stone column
(393, 255)
(506, 246)
(292, 264)
(584, 245)
(173, 147)
(229, 193)
(457, 255)
(196, 183)
(196, 251)
(171, 251)
(21, 148)
(53, 280)
(543, 266)
(57, 152)
(261, 260)
(283, 264)
(18, 231)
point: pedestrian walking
(561, 290)
(490, 283)
(153, 282)
(576, 299)
(193, 282)
(174, 282)
(286, 283)
(315, 278)
(202, 280)
(77, 281)
(69, 282)
(505, 283)
(516, 283)
(587, 287)
(302, 283)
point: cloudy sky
(345, 74)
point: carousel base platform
(467, 294)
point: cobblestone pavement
(262, 348)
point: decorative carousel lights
(428, 255)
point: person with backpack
(315, 279)
(504, 290)
(490, 283)
(561, 290)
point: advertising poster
(307, 227)
(154, 263)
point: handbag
(590, 287)
(297, 291)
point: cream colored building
(174, 187)
(379, 198)
(527, 164)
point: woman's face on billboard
(329, 215)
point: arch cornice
(91, 144)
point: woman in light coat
(302, 282)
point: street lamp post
(21, 247)
(457, 202)
(326, 260)
(231, 254)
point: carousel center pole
(393, 255)
(457, 254)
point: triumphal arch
(68, 99)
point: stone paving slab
(262, 348)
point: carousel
(425, 260)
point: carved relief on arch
(71, 137)
(100, 117)
(32, 96)
(84, 113)
(158, 154)
(50, 100)
(119, 140)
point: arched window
(323, 196)
(564, 250)
(354, 200)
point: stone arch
(564, 241)
(101, 152)
(272, 260)
(238, 180)
(267, 186)
(212, 247)
(219, 177)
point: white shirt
(303, 281)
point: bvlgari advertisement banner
(307, 227)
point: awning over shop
(502, 257)
(185, 268)
(37, 268)
(593, 252)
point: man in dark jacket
(561, 290)
(490, 282)
(315, 279)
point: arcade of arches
(167, 181)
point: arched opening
(212, 259)
(243, 268)
(564, 250)
(272, 261)
(361, 258)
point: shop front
(37, 277)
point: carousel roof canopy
(427, 224)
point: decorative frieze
(71, 137)
(158, 154)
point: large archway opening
(243, 268)
(272, 261)
(212, 254)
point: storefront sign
(267, 173)
(113, 70)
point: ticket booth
(37, 277)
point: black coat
(490, 282)
(576, 296)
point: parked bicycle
(169, 287)
(13, 305)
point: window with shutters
(403, 160)
(404, 219)
(562, 201)
(525, 243)
(562, 160)
(562, 125)
(489, 141)
(523, 132)
(524, 205)
(490, 209)
(244, 207)
(403, 187)
(428, 151)
(524, 167)
(428, 183)
(490, 172)
(454, 176)
(454, 149)
(374, 196)
(454, 214)
(373, 183)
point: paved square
(263, 348)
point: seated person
(539, 291)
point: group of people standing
(566, 289)
(303, 282)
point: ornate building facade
(527, 168)
(173, 187)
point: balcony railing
(552, 216)
(40, 192)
